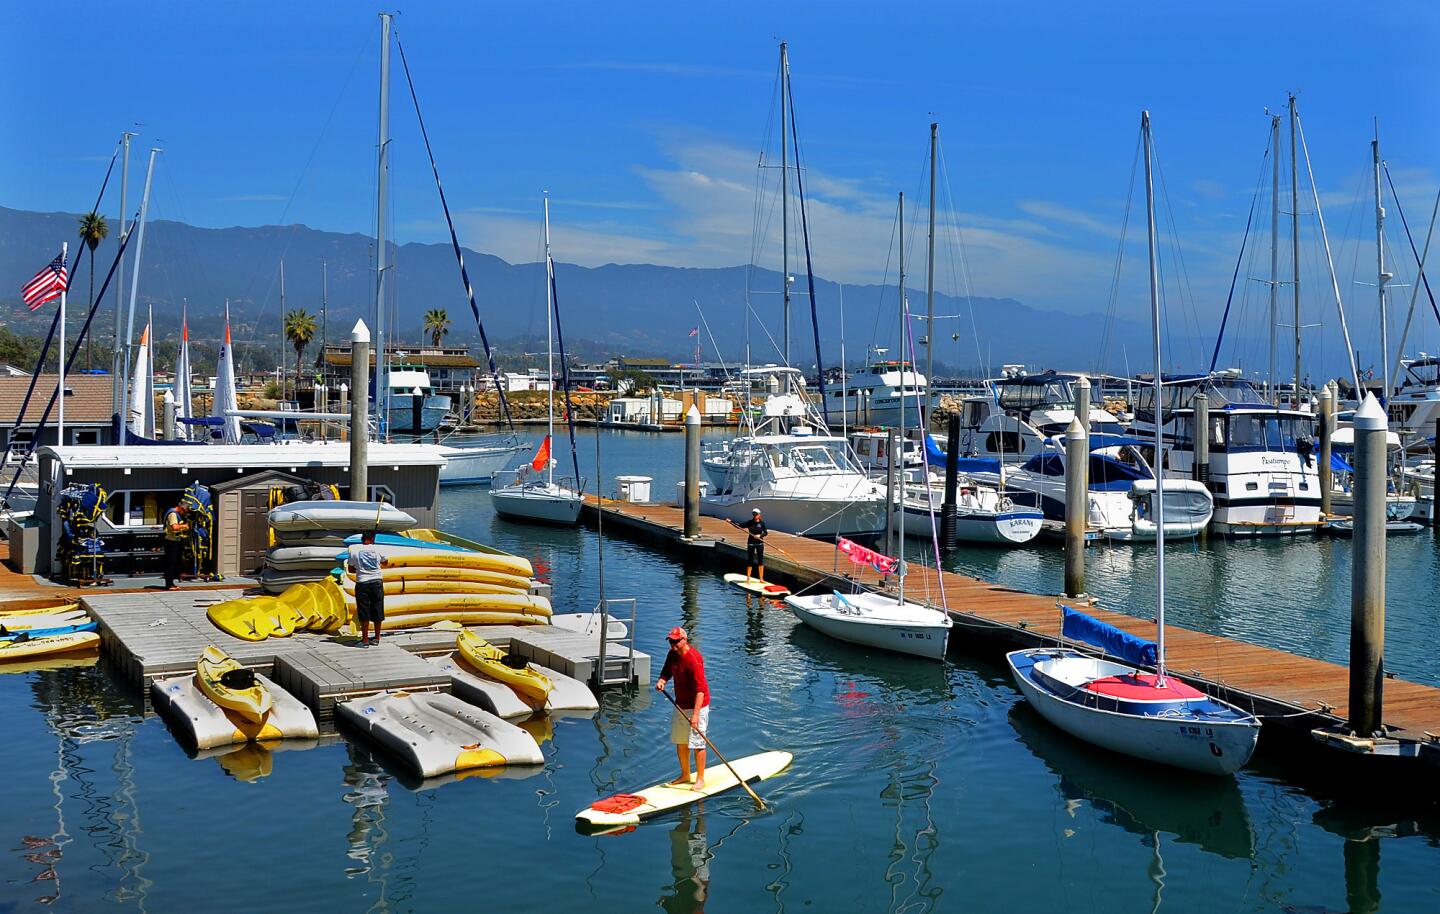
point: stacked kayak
(435, 734)
(223, 704)
(482, 673)
(314, 607)
(30, 635)
(310, 535)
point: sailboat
(874, 619)
(142, 388)
(1119, 704)
(532, 493)
(184, 395)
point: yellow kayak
(257, 618)
(488, 660)
(58, 609)
(411, 557)
(44, 647)
(520, 583)
(421, 620)
(250, 702)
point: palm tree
(437, 324)
(93, 229)
(300, 329)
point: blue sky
(644, 121)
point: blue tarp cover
(1338, 464)
(1107, 637)
(965, 464)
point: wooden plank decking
(1274, 683)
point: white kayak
(340, 515)
(628, 809)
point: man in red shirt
(685, 665)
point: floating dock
(1286, 690)
(159, 634)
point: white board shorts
(681, 732)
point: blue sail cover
(1338, 464)
(964, 465)
(1107, 637)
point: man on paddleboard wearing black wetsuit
(692, 693)
(754, 544)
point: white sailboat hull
(479, 464)
(876, 621)
(818, 517)
(545, 503)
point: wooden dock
(1284, 689)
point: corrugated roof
(281, 456)
(87, 403)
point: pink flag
(860, 555)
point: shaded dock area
(1285, 689)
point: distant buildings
(449, 367)
(88, 411)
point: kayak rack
(612, 669)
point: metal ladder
(613, 670)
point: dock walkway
(1287, 689)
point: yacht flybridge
(875, 394)
(1019, 412)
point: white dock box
(680, 491)
(633, 488)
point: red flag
(47, 284)
(542, 456)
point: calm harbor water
(916, 787)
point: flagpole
(60, 362)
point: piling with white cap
(1367, 576)
(692, 472)
(1327, 428)
(1077, 505)
(359, 411)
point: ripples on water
(916, 787)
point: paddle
(753, 795)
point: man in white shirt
(365, 564)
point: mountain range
(615, 309)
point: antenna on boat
(900, 453)
(1159, 467)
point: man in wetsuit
(177, 530)
(754, 544)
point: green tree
(300, 330)
(437, 324)
(93, 229)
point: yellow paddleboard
(57, 620)
(757, 586)
(58, 609)
(44, 647)
(420, 620)
(404, 604)
(252, 703)
(488, 660)
(427, 586)
(410, 557)
(628, 809)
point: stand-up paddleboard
(755, 585)
(627, 809)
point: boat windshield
(1262, 432)
(1221, 391)
(1029, 396)
(812, 458)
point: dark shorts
(755, 553)
(370, 601)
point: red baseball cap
(676, 634)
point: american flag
(47, 284)
(695, 331)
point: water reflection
(1204, 811)
(690, 857)
(367, 796)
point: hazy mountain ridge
(638, 309)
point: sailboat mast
(1274, 255)
(549, 346)
(1295, 241)
(899, 472)
(1159, 468)
(382, 167)
(1381, 276)
(282, 328)
(929, 291)
(117, 362)
(324, 303)
(784, 201)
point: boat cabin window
(973, 413)
(1261, 432)
(818, 458)
(1004, 442)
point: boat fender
(1216, 750)
(238, 679)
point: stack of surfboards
(428, 581)
(309, 534)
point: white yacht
(404, 380)
(784, 408)
(875, 394)
(1120, 504)
(1012, 422)
(1415, 404)
(1264, 471)
(472, 463)
(804, 479)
